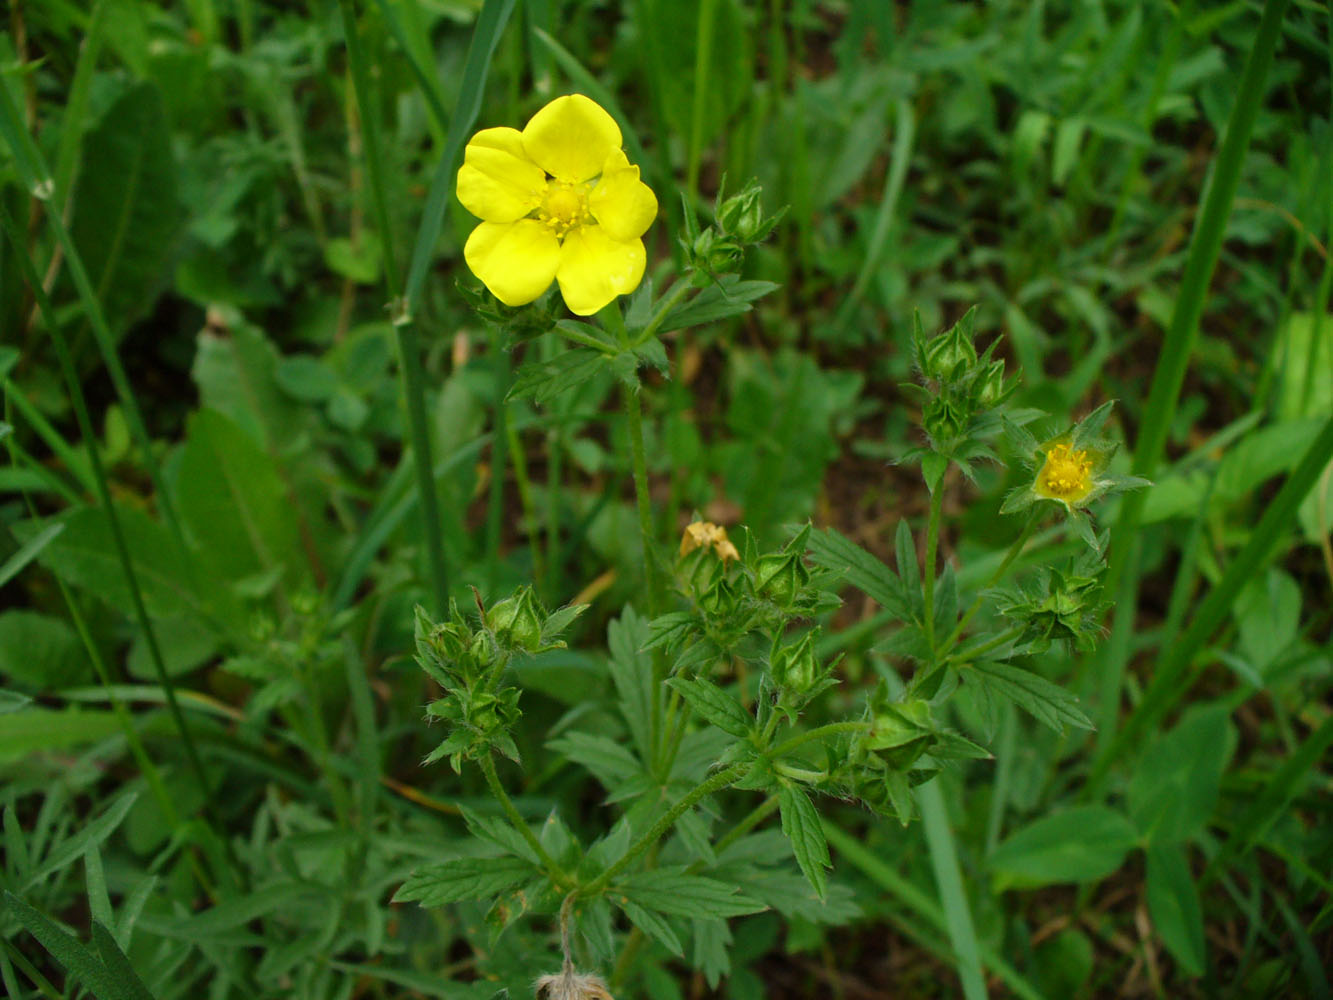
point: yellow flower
(1066, 475)
(558, 201)
(706, 534)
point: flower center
(1066, 472)
(565, 207)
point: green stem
(516, 820)
(703, 60)
(932, 546)
(678, 292)
(659, 829)
(1014, 550)
(409, 353)
(409, 350)
(524, 484)
(499, 456)
(756, 816)
(800, 739)
(972, 652)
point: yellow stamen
(1067, 474)
(565, 207)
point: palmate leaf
(651, 923)
(608, 761)
(729, 297)
(463, 878)
(669, 890)
(1044, 701)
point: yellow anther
(1067, 474)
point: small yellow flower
(706, 534)
(1065, 476)
(559, 201)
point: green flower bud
(780, 576)
(948, 353)
(482, 652)
(902, 732)
(797, 668)
(992, 389)
(944, 419)
(517, 621)
(484, 712)
(719, 600)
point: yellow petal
(623, 204)
(571, 138)
(594, 269)
(497, 182)
(515, 260)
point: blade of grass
(1271, 804)
(1169, 375)
(899, 160)
(949, 881)
(490, 24)
(884, 876)
(1176, 671)
(430, 85)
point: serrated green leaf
(69, 952)
(463, 878)
(729, 297)
(670, 890)
(714, 705)
(1037, 696)
(500, 833)
(608, 761)
(652, 924)
(544, 381)
(863, 571)
(800, 822)
(632, 673)
(118, 966)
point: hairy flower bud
(796, 668)
(780, 576)
(517, 621)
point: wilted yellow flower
(1065, 476)
(570, 985)
(706, 534)
(558, 201)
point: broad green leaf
(1176, 784)
(714, 705)
(84, 555)
(800, 822)
(670, 890)
(237, 376)
(1173, 904)
(863, 571)
(126, 213)
(463, 878)
(234, 501)
(41, 652)
(43, 730)
(1082, 844)
(1037, 696)
(1268, 615)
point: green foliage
(262, 436)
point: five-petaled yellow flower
(558, 201)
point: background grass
(232, 470)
